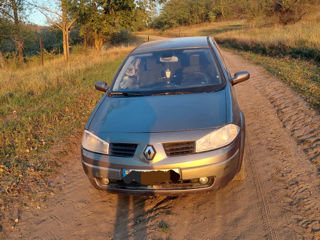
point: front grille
(179, 148)
(122, 149)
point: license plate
(150, 177)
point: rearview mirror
(240, 77)
(101, 86)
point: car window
(167, 70)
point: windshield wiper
(173, 93)
(127, 94)
(137, 94)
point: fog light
(203, 180)
(104, 181)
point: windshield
(169, 70)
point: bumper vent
(179, 148)
(122, 149)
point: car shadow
(134, 212)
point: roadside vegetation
(44, 104)
(90, 23)
(300, 40)
(41, 108)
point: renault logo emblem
(149, 152)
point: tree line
(90, 21)
(187, 12)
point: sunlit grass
(199, 29)
(301, 40)
(43, 105)
(305, 34)
(37, 79)
(302, 75)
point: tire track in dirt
(295, 115)
(261, 194)
(277, 200)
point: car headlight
(218, 138)
(94, 144)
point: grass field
(41, 106)
(301, 40)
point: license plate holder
(150, 177)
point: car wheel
(241, 174)
(94, 183)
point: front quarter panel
(95, 110)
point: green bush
(122, 37)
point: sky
(36, 17)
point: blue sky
(35, 16)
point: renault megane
(169, 121)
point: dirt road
(279, 199)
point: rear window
(168, 70)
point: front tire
(94, 184)
(241, 175)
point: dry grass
(40, 107)
(198, 29)
(302, 75)
(304, 34)
(36, 79)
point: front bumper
(220, 166)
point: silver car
(169, 121)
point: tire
(241, 175)
(94, 184)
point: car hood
(162, 113)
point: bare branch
(6, 13)
(46, 9)
(71, 23)
(50, 20)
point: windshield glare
(168, 70)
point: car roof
(172, 43)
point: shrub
(122, 37)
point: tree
(102, 18)
(290, 11)
(63, 19)
(12, 10)
(176, 13)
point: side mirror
(240, 77)
(101, 86)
